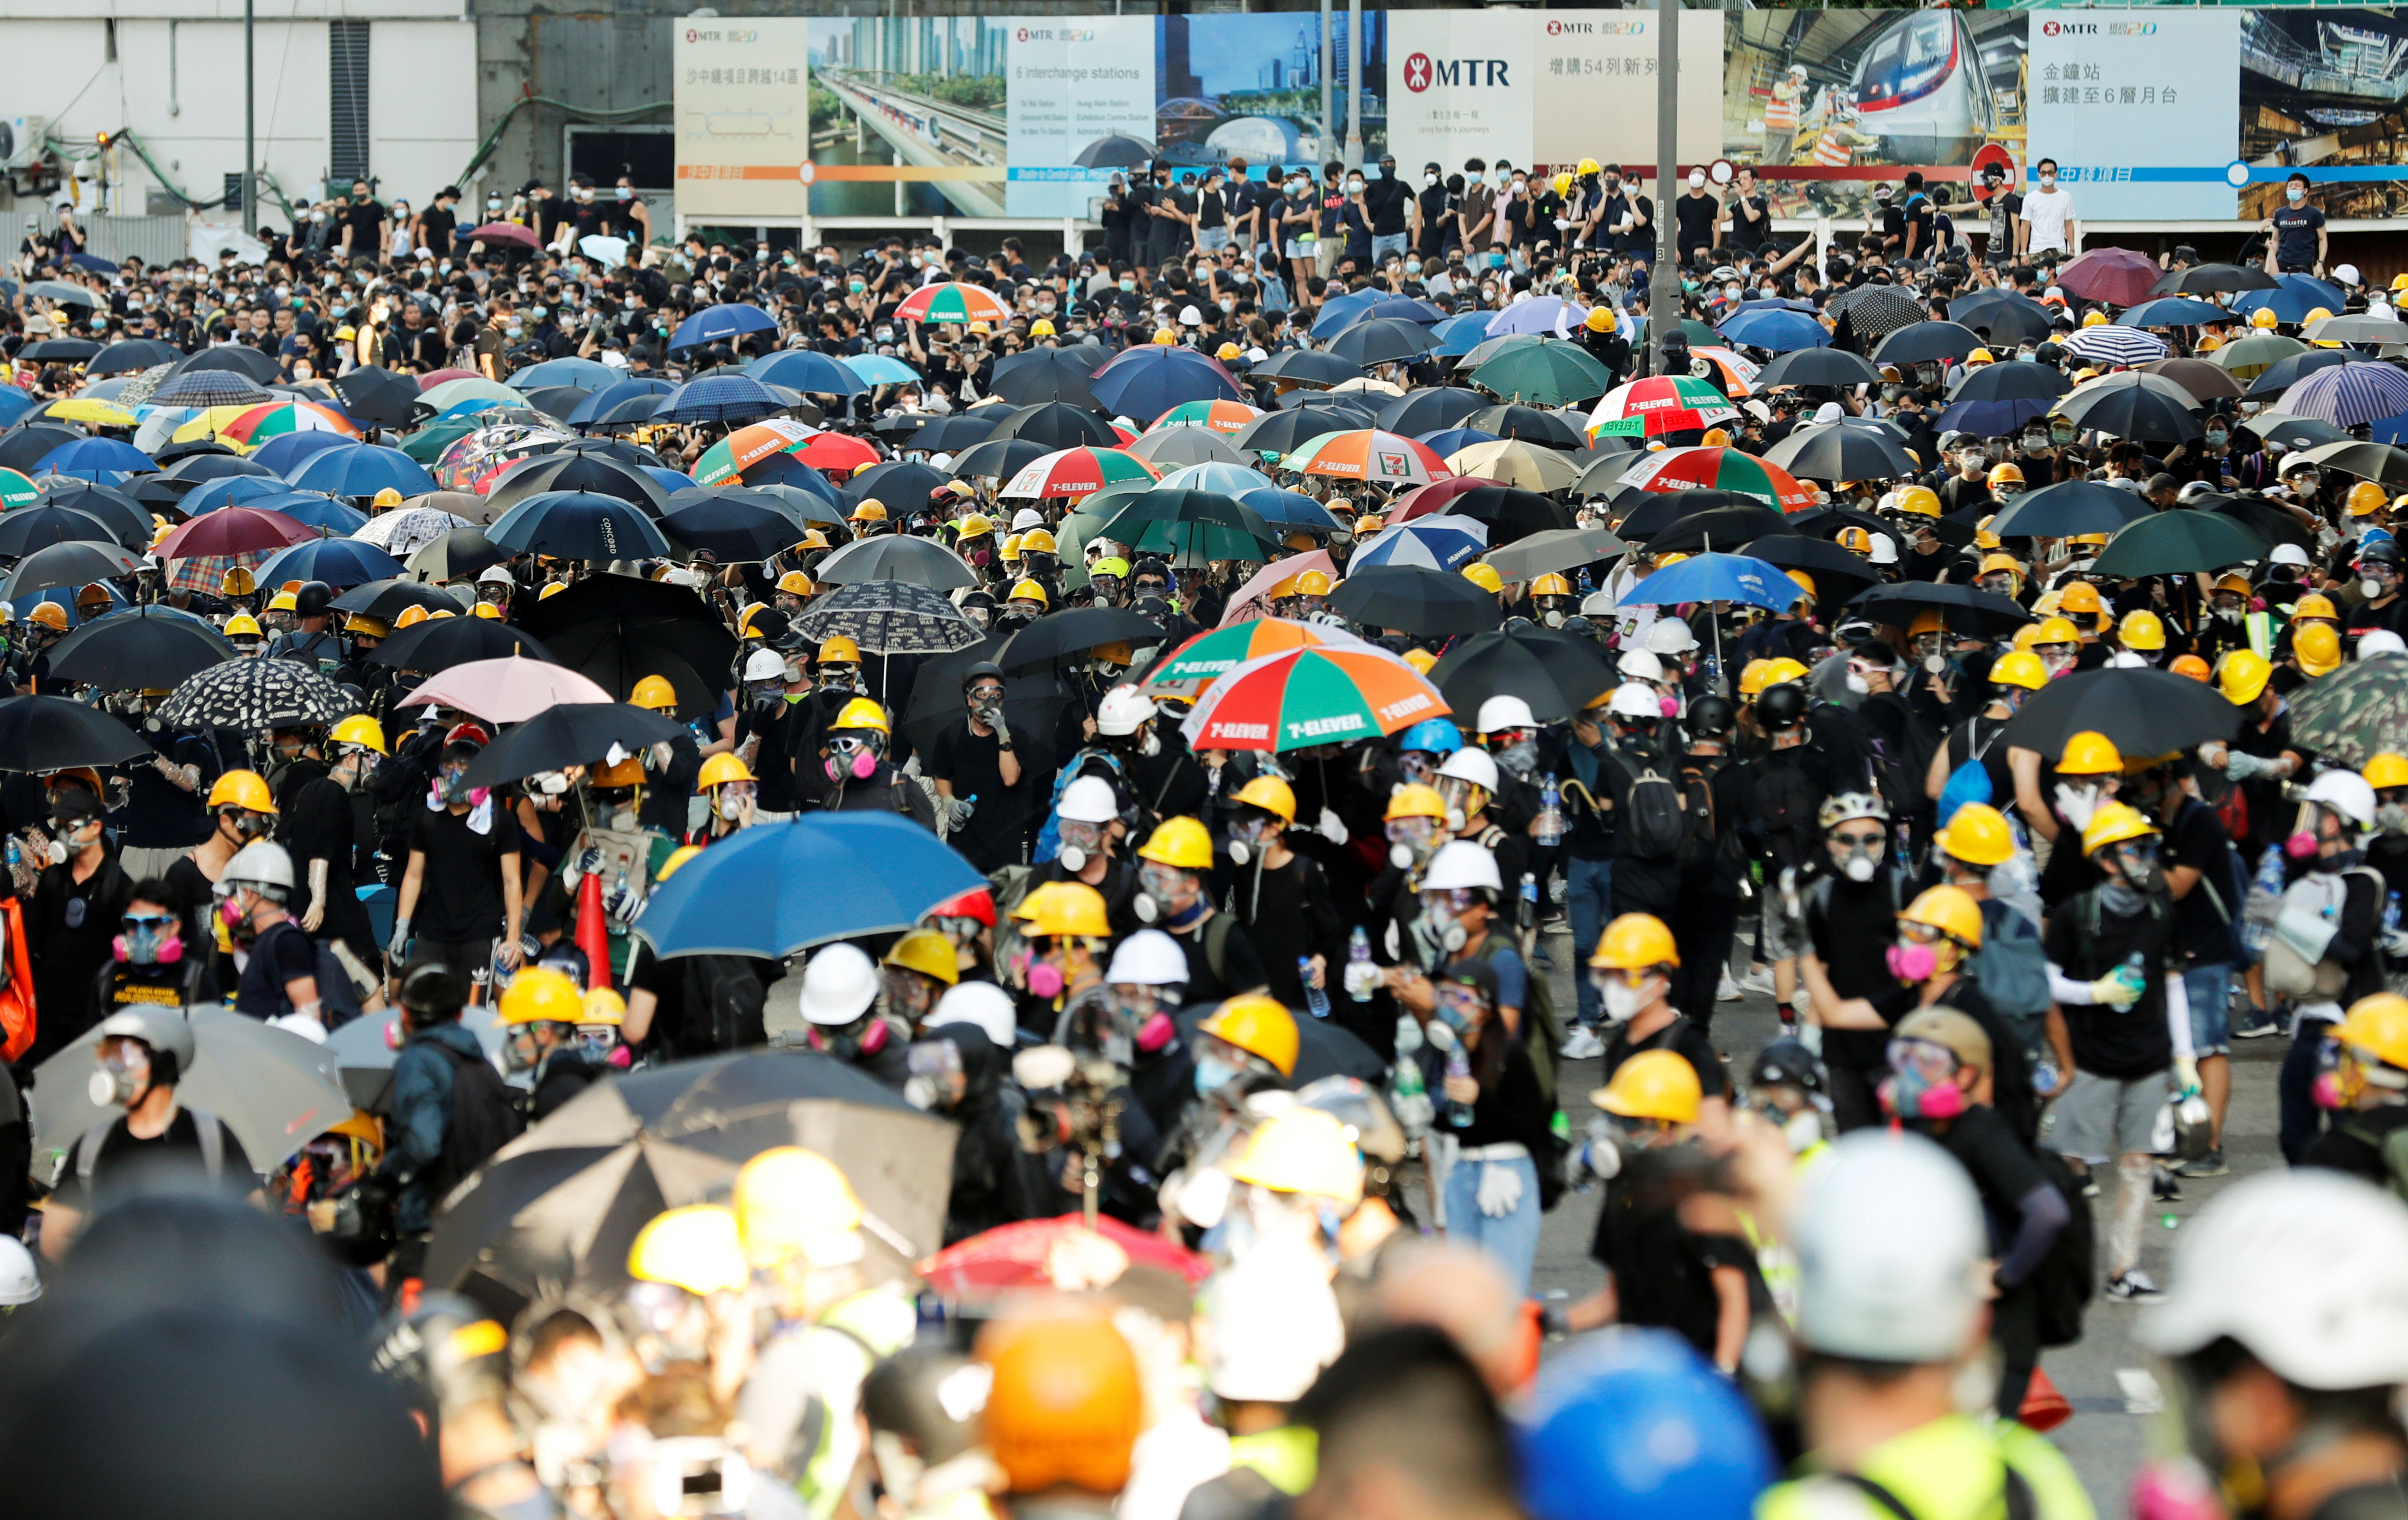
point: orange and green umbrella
(1369, 454)
(1077, 472)
(16, 491)
(954, 302)
(1720, 469)
(1293, 699)
(732, 455)
(1219, 414)
(1215, 652)
(1662, 403)
(275, 418)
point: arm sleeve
(2178, 1015)
(2064, 988)
(2043, 1216)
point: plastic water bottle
(1458, 1063)
(1358, 955)
(1315, 998)
(2131, 975)
(2255, 936)
(1551, 811)
(1408, 1096)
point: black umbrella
(1558, 674)
(1558, 549)
(384, 600)
(732, 529)
(59, 350)
(807, 505)
(1510, 512)
(1036, 376)
(1430, 410)
(140, 648)
(903, 486)
(616, 630)
(2283, 374)
(2014, 380)
(2069, 508)
(957, 430)
(66, 564)
(2128, 405)
(1927, 343)
(1363, 403)
(131, 355)
(997, 459)
(460, 553)
(1651, 512)
(51, 734)
(1307, 366)
(1836, 451)
(2384, 462)
(378, 395)
(569, 733)
(1033, 700)
(1056, 426)
(1063, 634)
(2213, 279)
(2004, 316)
(922, 561)
(1965, 608)
(1383, 340)
(2294, 432)
(22, 446)
(1721, 530)
(163, 495)
(1532, 423)
(2142, 712)
(437, 644)
(211, 463)
(1285, 432)
(1413, 600)
(2277, 524)
(1838, 574)
(236, 357)
(1876, 310)
(30, 528)
(2178, 543)
(1817, 366)
(889, 616)
(113, 505)
(253, 696)
(555, 401)
(564, 471)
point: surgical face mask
(2391, 818)
(1429, 179)
(1625, 1003)
(2217, 437)
(2295, 193)
(2048, 181)
(1858, 685)
(1697, 181)
(1212, 1074)
(1353, 187)
(1413, 266)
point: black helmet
(1788, 1063)
(1518, 624)
(1711, 717)
(916, 1393)
(983, 670)
(363, 1233)
(1782, 707)
(2382, 551)
(1578, 628)
(311, 599)
(446, 1354)
(433, 989)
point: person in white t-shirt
(2047, 222)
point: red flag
(593, 934)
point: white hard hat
(2196, 489)
(1635, 698)
(1597, 604)
(261, 864)
(980, 1003)
(838, 984)
(764, 665)
(2346, 792)
(2380, 641)
(1190, 317)
(2345, 273)
(2338, 1320)
(495, 573)
(1505, 712)
(19, 1283)
(2287, 554)
(1026, 518)
(1828, 412)
(1271, 1324)
(1460, 863)
(1124, 711)
(1670, 636)
(1885, 549)
(1149, 958)
(1472, 765)
(1888, 1232)
(1090, 799)
(1641, 665)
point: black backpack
(482, 1117)
(1653, 821)
(2225, 882)
(1783, 803)
(2066, 1277)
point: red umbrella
(508, 232)
(1050, 1253)
(2119, 277)
(1423, 501)
(428, 382)
(234, 530)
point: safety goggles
(986, 693)
(1451, 899)
(147, 923)
(1919, 934)
(1410, 831)
(1634, 977)
(2139, 852)
(1934, 1063)
(1083, 835)
(1861, 839)
(1469, 1002)
(734, 792)
(850, 744)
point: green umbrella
(1546, 372)
(428, 447)
(2176, 542)
(1193, 527)
(2249, 357)
(1700, 333)
(2356, 713)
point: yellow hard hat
(1855, 540)
(812, 539)
(1658, 1085)
(677, 859)
(1029, 590)
(367, 627)
(241, 788)
(2094, 318)
(1259, 1026)
(1598, 320)
(2316, 314)
(2056, 631)
(1950, 910)
(1714, 438)
(1271, 794)
(1805, 582)
(1751, 678)
(2314, 605)
(552, 590)
(1563, 183)
(386, 497)
(1920, 499)
(837, 649)
(604, 1006)
(1063, 908)
(1980, 356)
(1414, 800)
(871, 510)
(975, 525)
(1422, 661)
(1039, 541)
(487, 610)
(1228, 352)
(1925, 621)
(542, 995)
(2114, 823)
(237, 582)
(1166, 335)
(1483, 575)
(2376, 1029)
(655, 692)
(1665, 561)
(626, 772)
(2090, 753)
(1064, 1402)
(2081, 597)
(1589, 166)
(2006, 472)
(1317, 583)
(792, 1203)
(2191, 666)
(2142, 630)
(929, 953)
(1634, 942)
(1983, 537)
(862, 713)
(2020, 667)
(405, 617)
(2242, 676)
(1041, 328)
(1011, 549)
(1180, 842)
(2008, 563)
(283, 601)
(2235, 582)
(696, 1248)
(2317, 648)
(1551, 584)
(2263, 316)
(1979, 835)
(2386, 770)
(2365, 499)
(722, 768)
(1783, 670)
(359, 728)
(1303, 1150)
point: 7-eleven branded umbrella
(1220, 415)
(1720, 469)
(954, 302)
(1664, 403)
(17, 491)
(273, 419)
(1077, 472)
(1739, 374)
(1297, 698)
(1215, 652)
(1369, 454)
(727, 459)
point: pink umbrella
(234, 530)
(1248, 603)
(511, 690)
(2119, 277)
(508, 232)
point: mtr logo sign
(2096, 29)
(1584, 29)
(1420, 73)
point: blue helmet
(1433, 735)
(1633, 1425)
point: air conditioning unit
(22, 140)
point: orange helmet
(1065, 1404)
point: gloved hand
(2240, 767)
(2115, 991)
(2185, 1075)
(2076, 803)
(399, 946)
(1500, 1190)
(1330, 827)
(302, 1025)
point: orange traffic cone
(593, 934)
(2044, 1408)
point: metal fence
(154, 240)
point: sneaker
(2089, 1185)
(2256, 1024)
(2162, 1184)
(1727, 989)
(1581, 1044)
(2134, 1287)
(1758, 980)
(2210, 1165)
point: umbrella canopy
(1058, 426)
(1307, 366)
(952, 300)
(363, 470)
(1077, 472)
(2118, 276)
(572, 733)
(385, 599)
(234, 530)
(2203, 380)
(1776, 330)
(804, 370)
(456, 555)
(273, 1089)
(597, 474)
(1370, 455)
(1514, 462)
(2349, 395)
(1214, 653)
(41, 733)
(719, 398)
(719, 324)
(1927, 343)
(1291, 510)
(1279, 433)
(1411, 598)
(439, 644)
(92, 458)
(778, 889)
(1443, 542)
(1381, 340)
(1646, 514)
(1429, 410)
(1220, 416)
(29, 528)
(1022, 1256)
(2117, 346)
(616, 630)
(337, 561)
(1875, 311)
(141, 648)
(1508, 512)
(1838, 574)
(2142, 712)
(2385, 463)
(2274, 522)
(2356, 713)
(2292, 297)
(2289, 370)
(2213, 279)
(1547, 372)
(131, 355)
(2069, 508)
(1962, 607)
(212, 388)
(1828, 451)
(511, 690)
(889, 616)
(2249, 357)
(1716, 578)
(2014, 380)
(1212, 475)
(878, 369)
(1558, 674)
(730, 456)
(66, 564)
(732, 527)
(2002, 316)
(2131, 406)
(2174, 311)
(922, 561)
(1168, 448)
(1295, 699)
(1556, 550)
(1060, 635)
(2178, 541)
(404, 530)
(1150, 381)
(2294, 432)
(1662, 403)
(1817, 366)
(1036, 376)
(1549, 314)
(2363, 327)
(253, 696)
(1722, 469)
(259, 423)
(1192, 526)
(1721, 529)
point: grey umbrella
(1556, 549)
(211, 387)
(1171, 448)
(275, 1090)
(889, 616)
(253, 695)
(364, 1050)
(897, 557)
(1876, 311)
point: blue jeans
(2210, 990)
(1588, 898)
(1513, 1240)
(1385, 244)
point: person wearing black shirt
(1282, 898)
(1437, 208)
(367, 229)
(319, 826)
(461, 887)
(1851, 920)
(2295, 233)
(1918, 215)
(280, 968)
(1385, 198)
(73, 918)
(1751, 214)
(162, 817)
(1123, 208)
(1696, 216)
(438, 222)
(993, 791)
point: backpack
(2226, 885)
(1709, 845)
(2066, 1277)
(204, 1126)
(2016, 1499)
(1543, 1039)
(1782, 806)
(1899, 767)
(1653, 820)
(482, 1118)
(2012, 969)
(1970, 782)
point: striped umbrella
(727, 459)
(1077, 472)
(1739, 374)
(2349, 395)
(1369, 454)
(1219, 415)
(276, 418)
(1297, 698)
(952, 302)
(1720, 469)
(1443, 542)
(1663, 404)
(2108, 344)
(1215, 652)
(208, 423)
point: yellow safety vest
(1952, 1468)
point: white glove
(1361, 980)
(302, 1025)
(2240, 767)
(2076, 805)
(1329, 827)
(2185, 1075)
(2115, 992)
(1500, 1190)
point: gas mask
(1169, 895)
(852, 756)
(1551, 611)
(1212, 1074)
(1858, 857)
(865, 1036)
(1081, 842)
(120, 1076)
(1441, 913)
(617, 809)
(734, 802)
(1914, 1092)
(1463, 800)
(2137, 860)
(149, 941)
(2230, 608)
(2391, 818)
(67, 838)
(1520, 757)
(1915, 962)
(840, 677)
(1411, 842)
(451, 788)
(1802, 1128)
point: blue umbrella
(363, 470)
(1991, 418)
(614, 394)
(2286, 373)
(1777, 330)
(719, 398)
(1150, 381)
(883, 369)
(1338, 313)
(284, 453)
(1290, 509)
(63, 596)
(1550, 314)
(1214, 474)
(1459, 335)
(2296, 295)
(804, 369)
(341, 563)
(2174, 311)
(1717, 577)
(585, 374)
(229, 490)
(104, 461)
(716, 324)
(2348, 395)
(93, 262)
(626, 411)
(669, 480)
(578, 525)
(460, 411)
(786, 470)
(14, 404)
(1432, 543)
(780, 888)
(311, 511)
(1447, 441)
